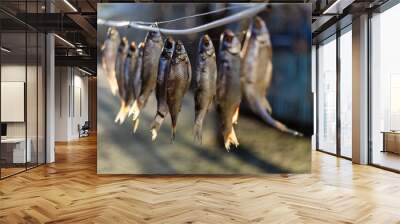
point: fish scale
(178, 81)
(161, 91)
(151, 55)
(205, 85)
(228, 95)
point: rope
(247, 13)
(193, 16)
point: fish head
(141, 47)
(230, 43)
(154, 35)
(132, 47)
(179, 51)
(123, 46)
(206, 46)
(112, 33)
(259, 29)
(168, 49)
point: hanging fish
(206, 83)
(109, 55)
(124, 82)
(120, 76)
(161, 91)
(228, 86)
(178, 82)
(136, 80)
(151, 56)
(256, 73)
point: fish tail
(173, 133)
(134, 110)
(173, 121)
(198, 132)
(122, 114)
(267, 118)
(135, 125)
(155, 126)
(198, 127)
(230, 138)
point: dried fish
(122, 80)
(151, 56)
(136, 80)
(178, 82)
(206, 83)
(228, 86)
(109, 55)
(161, 90)
(257, 73)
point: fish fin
(266, 105)
(267, 118)
(154, 134)
(230, 139)
(198, 127)
(122, 114)
(155, 126)
(198, 132)
(235, 116)
(135, 125)
(134, 111)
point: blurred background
(262, 149)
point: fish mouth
(133, 46)
(258, 23)
(112, 32)
(229, 36)
(124, 41)
(141, 45)
(155, 35)
(206, 40)
(179, 47)
(230, 42)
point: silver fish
(108, 57)
(161, 91)
(228, 86)
(178, 82)
(120, 76)
(206, 83)
(256, 73)
(124, 82)
(151, 55)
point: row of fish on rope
(134, 72)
